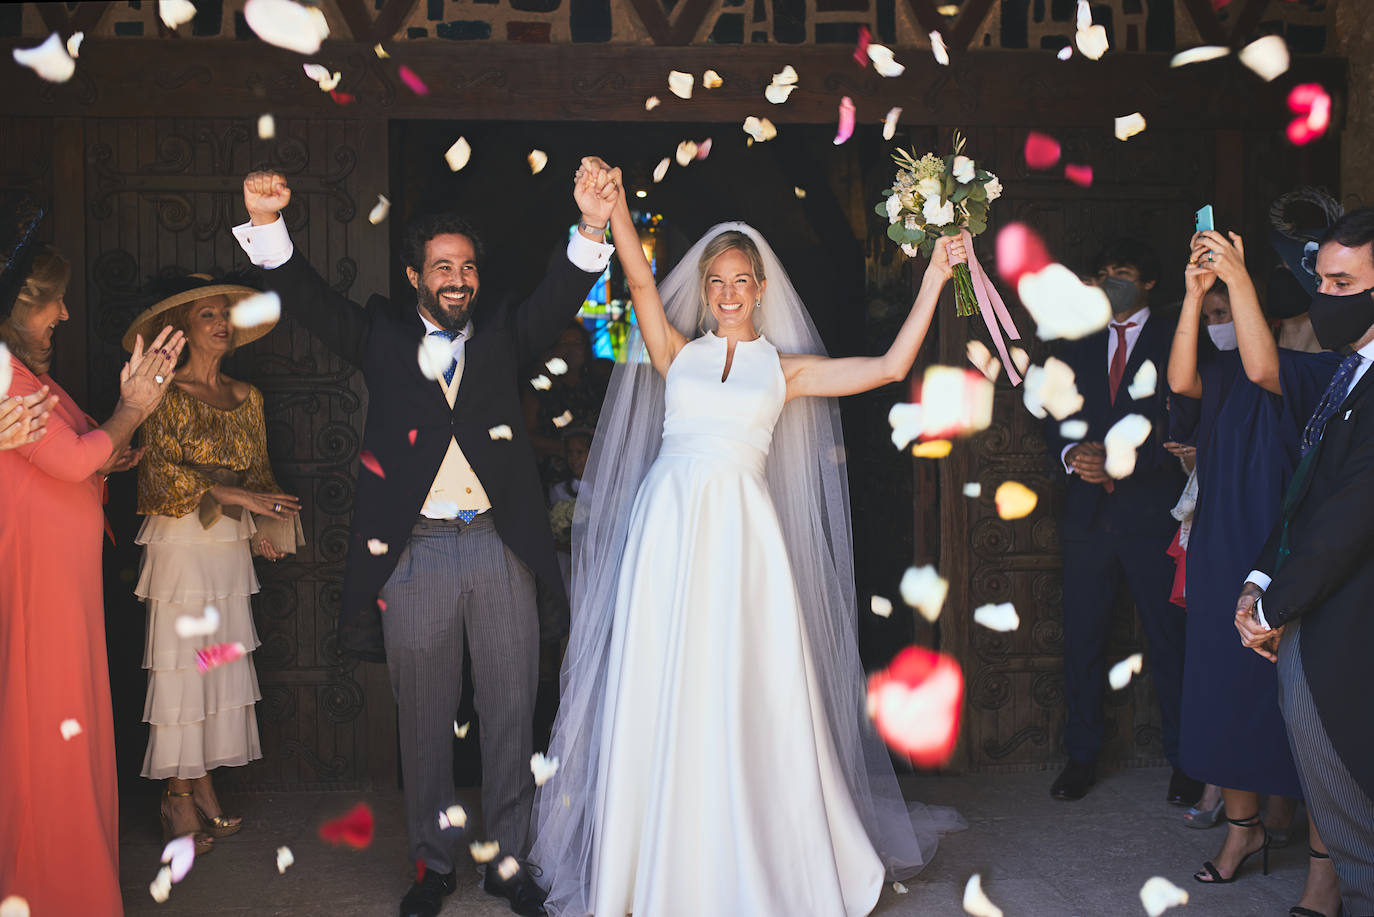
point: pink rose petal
(861, 50)
(342, 98)
(1312, 104)
(704, 149)
(846, 128)
(180, 853)
(218, 655)
(1042, 150)
(1019, 251)
(1079, 175)
(412, 436)
(354, 828)
(916, 704)
(371, 464)
(415, 84)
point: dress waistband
(720, 448)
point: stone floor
(1038, 857)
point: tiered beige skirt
(198, 721)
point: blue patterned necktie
(1331, 401)
(453, 365)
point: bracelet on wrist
(594, 230)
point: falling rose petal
(261, 309)
(711, 80)
(1121, 442)
(537, 160)
(562, 420)
(932, 449)
(1065, 52)
(924, 589)
(1079, 175)
(1052, 389)
(371, 464)
(74, 43)
(267, 127)
(453, 817)
(381, 604)
(286, 24)
(458, 155)
(180, 854)
(1312, 104)
(1198, 55)
(1083, 15)
(883, 61)
(1062, 305)
(686, 152)
(411, 436)
(1120, 674)
(982, 359)
(1042, 150)
(948, 9)
(161, 887)
(1267, 56)
(285, 858)
(787, 76)
(680, 84)
(1092, 42)
(652, 102)
(379, 210)
(1158, 894)
(1127, 126)
(342, 98)
(976, 902)
(188, 626)
(484, 853)
(907, 421)
(174, 13)
(541, 383)
(661, 169)
(507, 868)
(799, 191)
(778, 93)
(435, 355)
(1146, 378)
(543, 768)
(220, 654)
(954, 402)
(1020, 251)
(556, 366)
(354, 828)
(1020, 359)
(1001, 617)
(759, 129)
(973, 490)
(861, 47)
(704, 149)
(1014, 500)
(14, 906)
(880, 606)
(412, 80)
(378, 50)
(70, 729)
(500, 431)
(461, 731)
(938, 48)
(321, 75)
(49, 60)
(1073, 430)
(916, 702)
(899, 888)
(890, 122)
(376, 547)
(846, 127)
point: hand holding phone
(1204, 218)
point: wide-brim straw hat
(149, 325)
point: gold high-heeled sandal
(204, 842)
(219, 825)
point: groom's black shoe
(426, 897)
(1184, 790)
(1074, 781)
(526, 898)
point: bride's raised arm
(810, 374)
(661, 339)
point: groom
(450, 532)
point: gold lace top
(185, 431)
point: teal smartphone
(1204, 219)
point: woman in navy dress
(1255, 399)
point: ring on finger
(159, 379)
(276, 507)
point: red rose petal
(1042, 150)
(412, 435)
(419, 870)
(381, 604)
(415, 84)
(342, 98)
(861, 50)
(353, 829)
(1019, 251)
(916, 705)
(1079, 175)
(371, 464)
(1312, 104)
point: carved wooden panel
(161, 195)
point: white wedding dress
(718, 792)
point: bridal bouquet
(934, 197)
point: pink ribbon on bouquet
(993, 309)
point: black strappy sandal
(1209, 875)
(1298, 911)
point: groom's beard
(454, 320)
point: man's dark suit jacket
(383, 340)
(1328, 578)
(1140, 503)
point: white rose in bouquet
(938, 214)
(894, 208)
(964, 170)
(993, 187)
(910, 250)
(928, 188)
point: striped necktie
(1331, 401)
(453, 364)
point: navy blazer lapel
(1357, 394)
(1091, 376)
(1143, 350)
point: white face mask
(1223, 335)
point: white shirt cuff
(267, 246)
(588, 255)
(1259, 613)
(1261, 580)
(1064, 457)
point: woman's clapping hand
(24, 420)
(145, 378)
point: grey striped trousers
(1343, 814)
(456, 583)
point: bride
(715, 755)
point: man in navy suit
(1112, 530)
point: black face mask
(1122, 294)
(1340, 321)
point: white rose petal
(924, 589)
(1073, 430)
(188, 626)
(285, 859)
(976, 902)
(484, 853)
(175, 13)
(541, 383)
(1092, 42)
(507, 868)
(1001, 617)
(936, 213)
(899, 888)
(14, 906)
(1083, 15)
(1020, 359)
(286, 24)
(883, 62)
(973, 489)
(890, 122)
(964, 170)
(951, 400)
(680, 84)
(907, 423)
(435, 356)
(1158, 894)
(74, 43)
(461, 731)
(1065, 52)
(760, 129)
(1145, 381)
(1120, 674)
(557, 365)
(500, 431)
(379, 210)
(778, 93)
(982, 359)
(1267, 56)
(70, 729)
(327, 81)
(537, 160)
(543, 768)
(453, 817)
(1052, 389)
(180, 854)
(49, 60)
(1198, 55)
(661, 169)
(458, 155)
(880, 606)
(787, 76)
(1127, 126)
(711, 80)
(376, 547)
(1062, 305)
(652, 102)
(1121, 442)
(562, 420)
(686, 152)
(938, 48)
(161, 887)
(267, 127)
(262, 309)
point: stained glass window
(607, 313)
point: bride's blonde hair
(714, 249)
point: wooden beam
(356, 17)
(390, 18)
(924, 11)
(652, 17)
(54, 16)
(1246, 21)
(1205, 18)
(970, 18)
(688, 21)
(88, 16)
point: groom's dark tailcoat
(383, 339)
(1108, 537)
